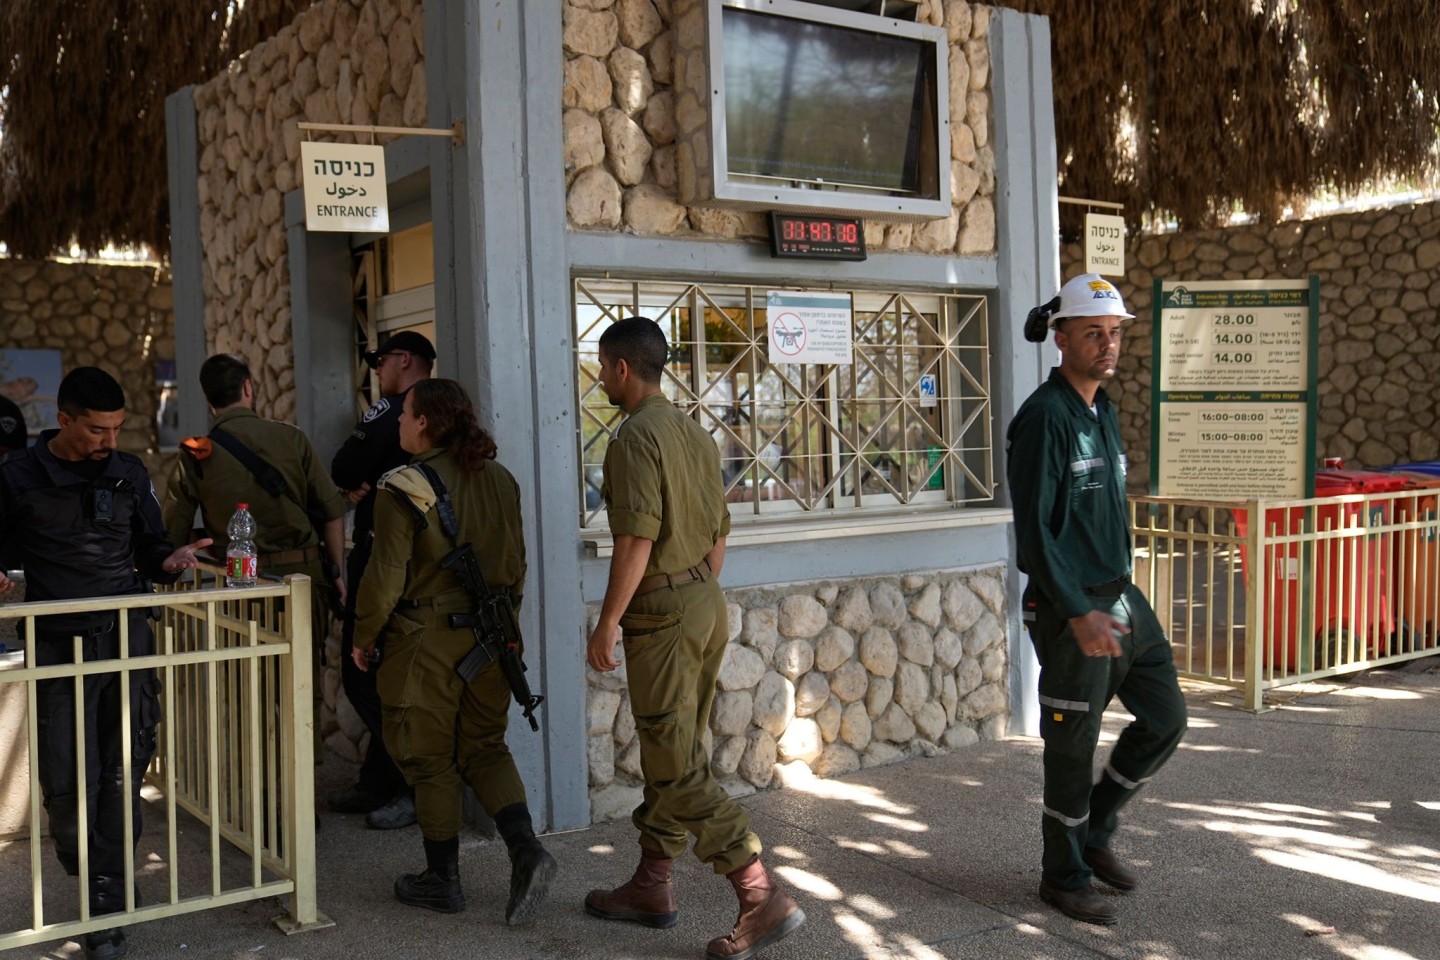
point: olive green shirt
(662, 483)
(216, 481)
(404, 563)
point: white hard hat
(1090, 295)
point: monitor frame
(741, 191)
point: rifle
(497, 633)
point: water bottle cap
(242, 506)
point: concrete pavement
(1311, 831)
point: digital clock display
(819, 238)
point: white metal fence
(1262, 593)
(229, 796)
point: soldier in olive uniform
(439, 729)
(1094, 632)
(666, 506)
(209, 476)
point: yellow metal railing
(1262, 593)
(233, 770)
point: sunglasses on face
(379, 361)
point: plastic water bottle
(241, 560)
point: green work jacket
(1067, 485)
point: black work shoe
(531, 871)
(1109, 868)
(398, 813)
(354, 799)
(431, 890)
(105, 944)
(1082, 904)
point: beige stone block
(638, 22)
(626, 146)
(690, 115)
(587, 85)
(959, 81)
(584, 143)
(977, 115)
(310, 29)
(375, 68)
(392, 111)
(403, 56)
(417, 107)
(591, 32)
(630, 80)
(662, 170)
(659, 118)
(977, 227)
(689, 27)
(977, 54)
(327, 65)
(980, 21)
(957, 20)
(661, 55)
(650, 209)
(937, 236)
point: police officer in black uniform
(372, 450)
(81, 519)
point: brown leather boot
(767, 915)
(648, 898)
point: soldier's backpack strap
(270, 480)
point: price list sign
(1233, 396)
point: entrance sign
(1233, 398)
(810, 327)
(344, 187)
(1104, 245)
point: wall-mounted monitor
(814, 107)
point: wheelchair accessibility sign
(929, 390)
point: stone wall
(835, 676)
(629, 122)
(118, 318)
(1379, 358)
(341, 61)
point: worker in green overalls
(1094, 632)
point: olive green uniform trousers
(442, 732)
(675, 640)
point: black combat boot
(531, 866)
(438, 888)
(107, 895)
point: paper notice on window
(810, 327)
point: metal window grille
(907, 424)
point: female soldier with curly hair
(441, 730)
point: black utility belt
(1110, 589)
(65, 634)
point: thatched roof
(1188, 108)
(82, 157)
(1180, 108)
